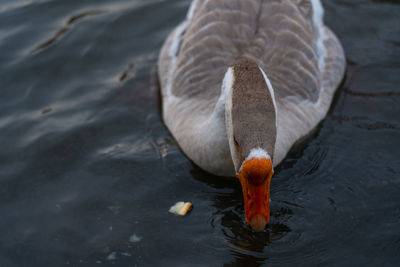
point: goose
(243, 80)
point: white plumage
(300, 58)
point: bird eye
(236, 144)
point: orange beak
(255, 177)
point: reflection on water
(229, 215)
(89, 171)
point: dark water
(88, 171)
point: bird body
(247, 77)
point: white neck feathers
(271, 91)
(256, 153)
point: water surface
(88, 171)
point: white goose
(242, 81)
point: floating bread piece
(181, 208)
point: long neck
(244, 114)
(250, 111)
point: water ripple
(72, 20)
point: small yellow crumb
(181, 208)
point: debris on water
(126, 254)
(47, 110)
(164, 152)
(134, 238)
(181, 208)
(112, 256)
